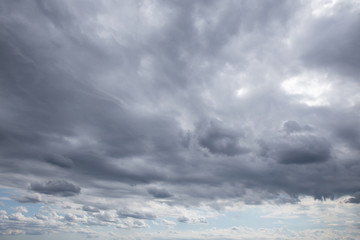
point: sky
(179, 119)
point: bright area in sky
(241, 92)
(323, 7)
(157, 119)
(312, 90)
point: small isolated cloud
(235, 228)
(125, 213)
(168, 223)
(56, 187)
(183, 219)
(199, 220)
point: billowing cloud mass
(149, 114)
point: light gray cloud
(90, 209)
(28, 198)
(125, 213)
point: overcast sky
(180, 119)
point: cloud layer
(183, 102)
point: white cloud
(311, 89)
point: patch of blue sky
(10, 205)
(253, 218)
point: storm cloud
(112, 105)
(56, 187)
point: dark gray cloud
(59, 160)
(304, 150)
(296, 149)
(199, 220)
(222, 140)
(159, 193)
(191, 101)
(56, 187)
(292, 126)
